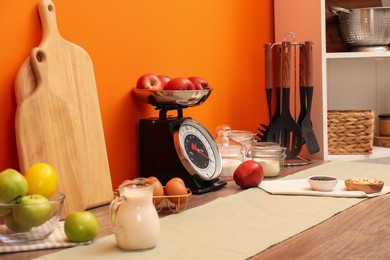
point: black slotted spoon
(276, 114)
(285, 130)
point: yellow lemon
(41, 179)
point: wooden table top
(359, 232)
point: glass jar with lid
(270, 155)
(245, 138)
(231, 151)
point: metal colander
(365, 28)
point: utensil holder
(294, 130)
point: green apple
(6, 208)
(32, 211)
(12, 185)
(11, 224)
(81, 226)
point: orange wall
(219, 40)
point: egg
(176, 187)
(179, 180)
(158, 190)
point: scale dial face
(198, 150)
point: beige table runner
(302, 187)
(238, 226)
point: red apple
(164, 80)
(248, 174)
(149, 81)
(179, 83)
(199, 83)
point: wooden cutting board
(58, 118)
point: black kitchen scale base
(158, 156)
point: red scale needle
(193, 147)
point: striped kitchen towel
(57, 239)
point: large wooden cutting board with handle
(58, 118)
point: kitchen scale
(178, 146)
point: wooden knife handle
(309, 63)
(268, 65)
(286, 59)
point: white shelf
(344, 80)
(349, 55)
(378, 152)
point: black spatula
(268, 91)
(307, 126)
(285, 130)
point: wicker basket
(350, 131)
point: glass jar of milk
(231, 151)
(270, 155)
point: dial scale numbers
(195, 143)
(198, 151)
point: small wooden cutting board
(58, 121)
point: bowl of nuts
(368, 185)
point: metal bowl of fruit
(30, 218)
(188, 98)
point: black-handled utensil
(268, 90)
(285, 130)
(307, 126)
(278, 83)
(302, 84)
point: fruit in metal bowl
(368, 185)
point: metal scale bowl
(178, 146)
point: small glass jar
(245, 138)
(222, 137)
(384, 124)
(270, 155)
(231, 152)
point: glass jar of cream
(270, 155)
(245, 138)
